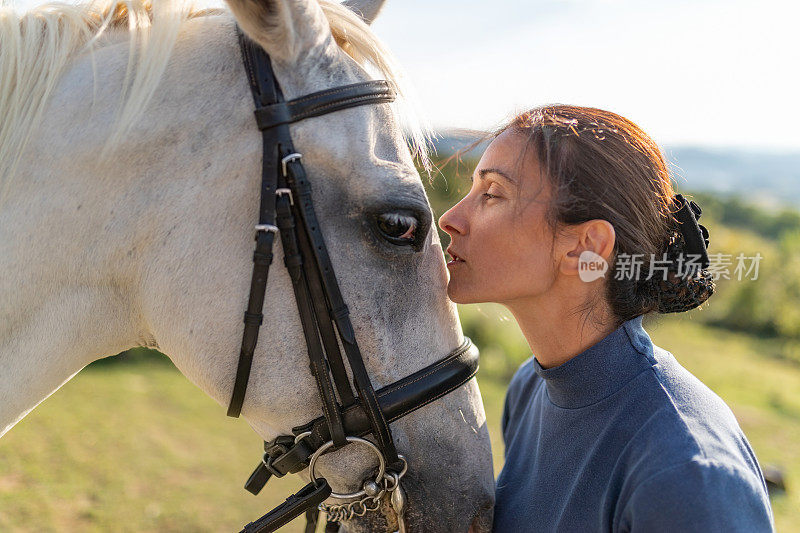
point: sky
(722, 73)
(709, 72)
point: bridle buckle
(287, 192)
(267, 461)
(288, 159)
(267, 227)
(274, 450)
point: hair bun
(680, 291)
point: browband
(283, 455)
(324, 102)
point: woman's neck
(556, 332)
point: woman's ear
(589, 244)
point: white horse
(129, 185)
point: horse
(129, 185)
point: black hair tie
(694, 235)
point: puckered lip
(455, 256)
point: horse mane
(36, 47)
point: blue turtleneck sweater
(623, 438)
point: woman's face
(501, 247)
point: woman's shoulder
(689, 420)
(688, 401)
(697, 495)
(689, 447)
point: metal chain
(370, 502)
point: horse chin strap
(286, 207)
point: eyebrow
(482, 174)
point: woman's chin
(453, 293)
(458, 295)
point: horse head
(157, 231)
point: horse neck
(67, 293)
(68, 236)
(58, 312)
(54, 336)
(88, 249)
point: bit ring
(322, 449)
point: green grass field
(136, 447)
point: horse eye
(397, 228)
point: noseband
(286, 208)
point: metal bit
(399, 505)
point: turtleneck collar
(600, 370)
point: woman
(603, 430)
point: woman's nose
(452, 221)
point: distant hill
(765, 178)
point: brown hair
(603, 166)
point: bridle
(286, 208)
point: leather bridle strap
(259, 76)
(325, 324)
(301, 188)
(284, 456)
(309, 269)
(324, 102)
(308, 497)
(267, 93)
(294, 264)
(273, 116)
